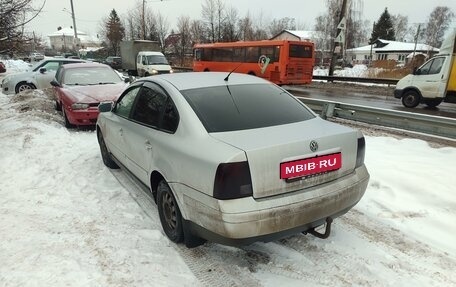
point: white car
(36, 56)
(232, 158)
(39, 76)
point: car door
(429, 78)
(43, 77)
(117, 122)
(154, 120)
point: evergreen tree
(383, 28)
(114, 32)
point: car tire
(105, 155)
(432, 103)
(23, 86)
(57, 106)
(170, 215)
(411, 99)
(68, 125)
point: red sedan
(79, 89)
(2, 68)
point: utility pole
(333, 54)
(414, 49)
(76, 41)
(372, 43)
(143, 20)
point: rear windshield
(241, 107)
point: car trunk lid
(269, 148)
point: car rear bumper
(82, 117)
(246, 220)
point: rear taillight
(232, 180)
(361, 151)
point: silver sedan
(232, 158)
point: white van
(434, 82)
(150, 63)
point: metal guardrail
(327, 78)
(434, 125)
(356, 79)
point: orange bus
(279, 61)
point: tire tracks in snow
(209, 267)
(404, 248)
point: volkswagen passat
(232, 158)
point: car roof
(63, 59)
(192, 80)
(83, 65)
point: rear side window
(149, 106)
(240, 107)
(124, 105)
(155, 108)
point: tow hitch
(325, 235)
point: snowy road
(65, 219)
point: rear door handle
(148, 145)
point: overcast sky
(90, 12)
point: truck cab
(150, 63)
(432, 83)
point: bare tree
(213, 14)
(400, 26)
(230, 30)
(162, 30)
(260, 23)
(438, 22)
(133, 24)
(278, 25)
(326, 24)
(14, 15)
(184, 44)
(197, 32)
(246, 31)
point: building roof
(69, 31)
(385, 46)
(301, 34)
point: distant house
(296, 35)
(389, 50)
(63, 40)
(322, 54)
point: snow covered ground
(65, 219)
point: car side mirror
(105, 107)
(127, 80)
(54, 83)
(416, 71)
(43, 70)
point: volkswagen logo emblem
(313, 146)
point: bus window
(206, 54)
(238, 54)
(297, 51)
(197, 55)
(270, 52)
(252, 55)
(222, 54)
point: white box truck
(434, 82)
(143, 58)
